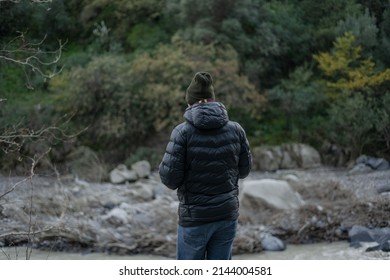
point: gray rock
(275, 193)
(143, 191)
(142, 169)
(383, 188)
(272, 243)
(264, 159)
(121, 174)
(360, 234)
(372, 162)
(286, 156)
(360, 168)
(117, 217)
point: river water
(319, 251)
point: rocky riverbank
(139, 217)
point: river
(318, 251)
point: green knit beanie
(201, 87)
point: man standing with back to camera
(204, 159)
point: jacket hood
(210, 115)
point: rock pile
(132, 215)
(286, 156)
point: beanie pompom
(201, 87)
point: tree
(34, 58)
(32, 55)
(124, 102)
(364, 29)
(121, 17)
(350, 124)
(164, 77)
(357, 92)
(294, 104)
(346, 71)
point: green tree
(293, 106)
(364, 29)
(351, 122)
(322, 18)
(164, 76)
(121, 17)
(246, 25)
(346, 71)
(100, 99)
(383, 54)
(123, 102)
(357, 92)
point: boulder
(142, 169)
(272, 243)
(360, 168)
(373, 163)
(308, 157)
(121, 175)
(143, 191)
(286, 156)
(360, 234)
(116, 217)
(264, 159)
(384, 188)
(277, 194)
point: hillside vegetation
(111, 75)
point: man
(204, 159)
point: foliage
(295, 102)
(382, 52)
(382, 125)
(345, 69)
(354, 117)
(358, 91)
(364, 29)
(146, 37)
(36, 21)
(120, 16)
(164, 76)
(123, 102)
(128, 62)
(262, 35)
(100, 98)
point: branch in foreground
(31, 56)
(12, 139)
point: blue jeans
(212, 241)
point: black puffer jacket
(204, 159)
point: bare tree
(32, 56)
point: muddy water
(320, 251)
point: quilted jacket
(204, 159)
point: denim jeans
(212, 241)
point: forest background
(108, 78)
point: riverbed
(318, 251)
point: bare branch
(13, 188)
(30, 55)
(13, 138)
(25, 233)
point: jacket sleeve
(172, 166)
(245, 159)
